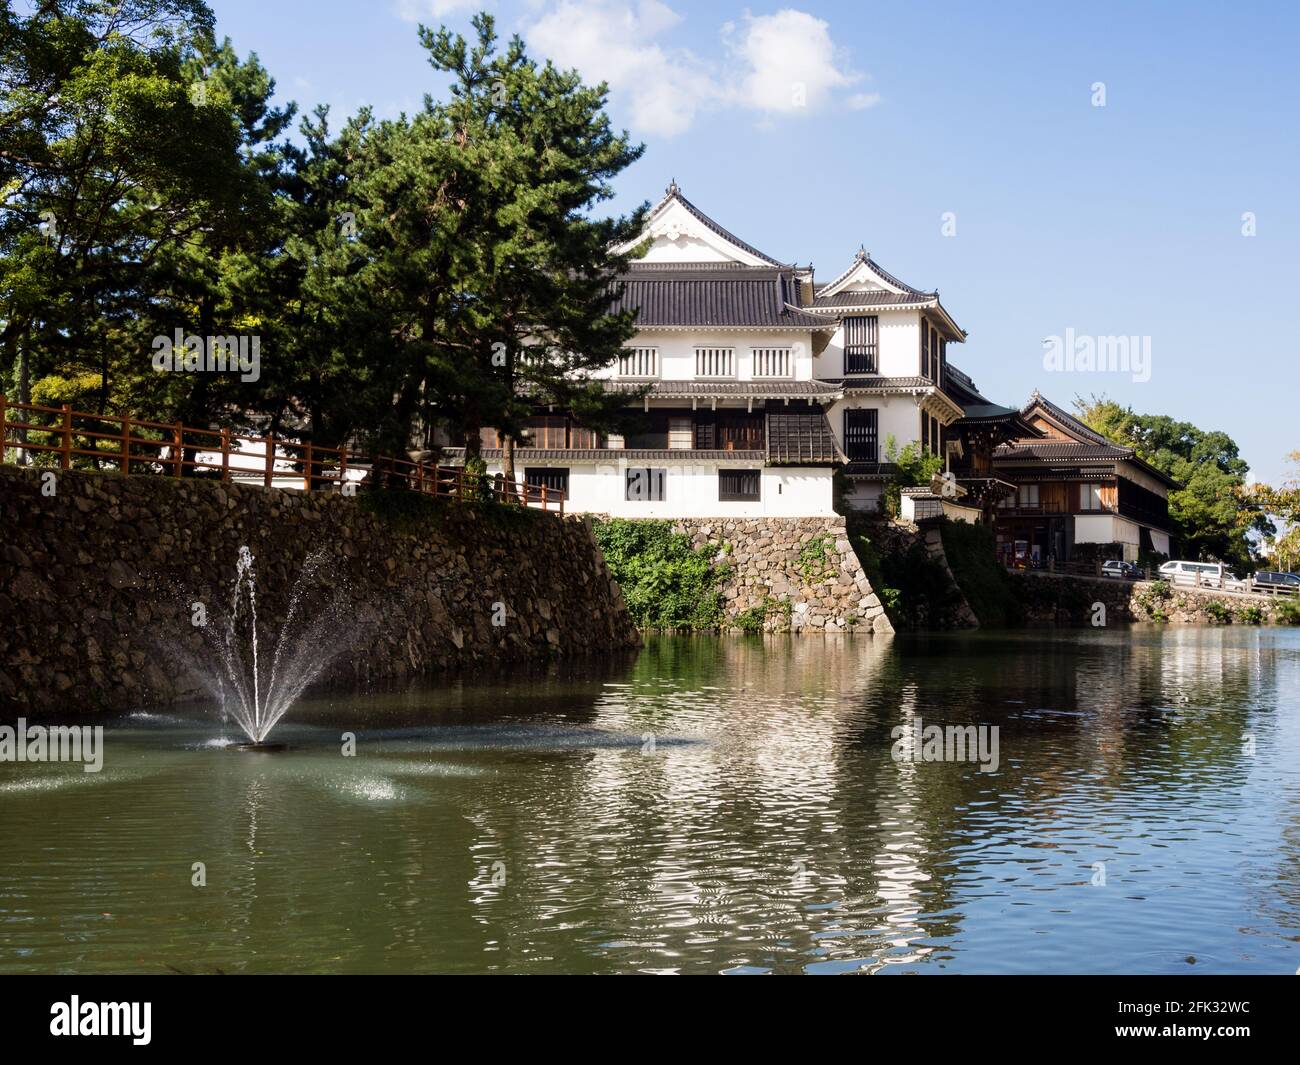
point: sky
(1077, 171)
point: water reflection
(711, 806)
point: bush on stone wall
(667, 582)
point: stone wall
(98, 582)
(1058, 599)
(791, 574)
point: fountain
(252, 688)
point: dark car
(1121, 570)
(1273, 579)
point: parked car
(1206, 574)
(1274, 581)
(1121, 571)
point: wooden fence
(139, 446)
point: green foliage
(814, 558)
(987, 586)
(754, 620)
(917, 466)
(1250, 615)
(1218, 610)
(667, 582)
(393, 271)
(1287, 611)
(1206, 512)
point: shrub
(1250, 615)
(1287, 611)
(1218, 611)
(972, 557)
(667, 582)
(814, 559)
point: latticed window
(861, 434)
(860, 344)
(715, 362)
(639, 362)
(739, 486)
(772, 362)
(551, 478)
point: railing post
(65, 456)
(343, 468)
(4, 432)
(268, 445)
(225, 452)
(178, 449)
(125, 465)
(544, 506)
(306, 472)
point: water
(316, 628)
(714, 805)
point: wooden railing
(140, 446)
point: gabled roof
(1085, 445)
(740, 297)
(837, 298)
(673, 197)
(864, 259)
(1062, 419)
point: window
(1090, 497)
(861, 442)
(771, 362)
(639, 362)
(715, 362)
(680, 434)
(1029, 495)
(860, 344)
(550, 431)
(550, 478)
(738, 486)
(645, 485)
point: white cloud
(781, 64)
(429, 10)
(789, 62)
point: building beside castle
(756, 382)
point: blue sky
(1124, 219)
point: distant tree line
(446, 267)
(1210, 514)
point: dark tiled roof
(871, 471)
(1064, 450)
(744, 297)
(880, 384)
(870, 299)
(800, 439)
(1068, 421)
(987, 412)
(721, 389)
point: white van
(1206, 574)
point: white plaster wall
(677, 352)
(898, 415)
(899, 340)
(691, 490)
(1107, 529)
